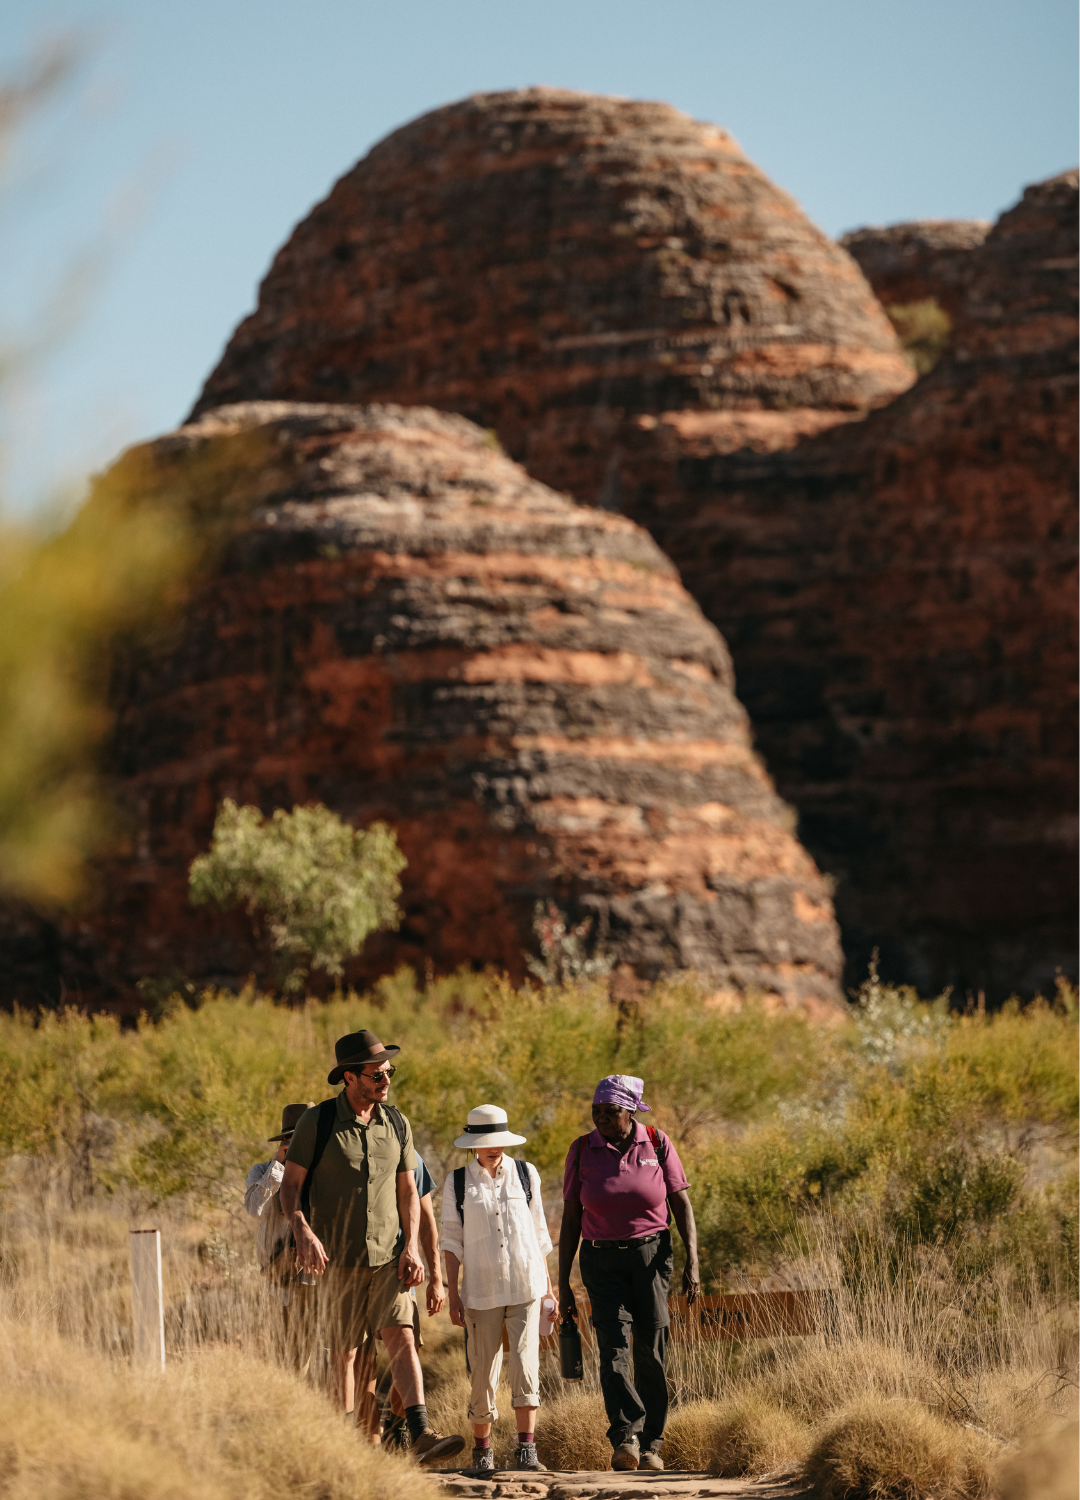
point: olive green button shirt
(354, 1208)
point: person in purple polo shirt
(619, 1185)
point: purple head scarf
(621, 1089)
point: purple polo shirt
(623, 1194)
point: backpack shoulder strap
(659, 1144)
(459, 1191)
(580, 1148)
(397, 1120)
(324, 1129)
(525, 1178)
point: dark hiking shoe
(651, 1459)
(431, 1447)
(395, 1435)
(525, 1457)
(627, 1455)
(483, 1461)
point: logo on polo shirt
(648, 1161)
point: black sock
(481, 1442)
(417, 1418)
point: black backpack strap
(525, 1178)
(459, 1191)
(324, 1129)
(397, 1120)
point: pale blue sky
(198, 134)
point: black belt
(646, 1239)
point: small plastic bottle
(547, 1316)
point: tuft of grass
(745, 1435)
(811, 1378)
(570, 1432)
(222, 1424)
(890, 1449)
(1045, 1470)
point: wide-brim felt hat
(290, 1119)
(487, 1125)
(357, 1049)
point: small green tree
(320, 886)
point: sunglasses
(386, 1073)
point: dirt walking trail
(598, 1484)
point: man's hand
(436, 1295)
(410, 1267)
(457, 1310)
(310, 1254)
(567, 1303)
(691, 1282)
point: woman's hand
(691, 1282)
(457, 1312)
(566, 1301)
(551, 1293)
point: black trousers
(628, 1290)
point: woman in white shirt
(493, 1228)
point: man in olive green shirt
(362, 1192)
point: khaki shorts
(356, 1302)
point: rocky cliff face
(407, 627)
(928, 259)
(577, 273)
(649, 323)
(905, 633)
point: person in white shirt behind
(275, 1250)
(494, 1230)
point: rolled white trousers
(485, 1330)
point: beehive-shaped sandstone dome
(905, 634)
(568, 270)
(406, 626)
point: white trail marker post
(147, 1305)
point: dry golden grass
(882, 1448)
(222, 1424)
(1046, 1470)
(885, 1402)
(571, 1432)
(742, 1435)
(811, 1378)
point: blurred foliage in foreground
(63, 600)
(909, 1126)
(69, 584)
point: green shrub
(321, 886)
(923, 329)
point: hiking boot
(483, 1461)
(431, 1447)
(525, 1457)
(651, 1459)
(627, 1455)
(395, 1435)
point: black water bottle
(570, 1349)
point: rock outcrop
(406, 626)
(905, 628)
(646, 321)
(590, 277)
(926, 260)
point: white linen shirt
(504, 1243)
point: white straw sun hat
(487, 1126)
